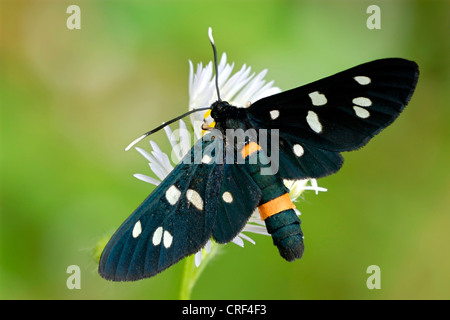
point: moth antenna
(162, 126)
(211, 39)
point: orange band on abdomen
(275, 206)
(250, 148)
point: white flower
(296, 187)
(238, 89)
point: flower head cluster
(238, 89)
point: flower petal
(237, 240)
(148, 179)
(243, 236)
(198, 258)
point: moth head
(219, 110)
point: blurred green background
(71, 100)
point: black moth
(211, 198)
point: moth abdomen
(276, 207)
(286, 234)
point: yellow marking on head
(249, 149)
(275, 206)
(211, 125)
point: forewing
(238, 197)
(169, 225)
(338, 113)
(323, 112)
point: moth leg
(205, 126)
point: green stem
(191, 272)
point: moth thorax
(222, 111)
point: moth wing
(238, 198)
(173, 222)
(339, 113)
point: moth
(214, 190)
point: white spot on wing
(362, 80)
(361, 112)
(274, 114)
(362, 101)
(173, 194)
(157, 235)
(137, 229)
(206, 159)
(298, 150)
(317, 98)
(194, 198)
(167, 239)
(227, 197)
(313, 121)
